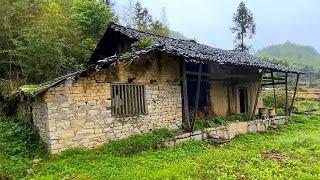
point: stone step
(217, 140)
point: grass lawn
(290, 151)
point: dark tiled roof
(200, 53)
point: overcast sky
(209, 21)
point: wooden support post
(185, 95)
(274, 92)
(286, 89)
(197, 97)
(294, 93)
(257, 95)
(229, 99)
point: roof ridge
(149, 33)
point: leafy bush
(18, 145)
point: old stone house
(129, 90)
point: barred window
(128, 99)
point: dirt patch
(274, 155)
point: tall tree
(244, 27)
(138, 17)
(142, 19)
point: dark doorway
(203, 110)
(243, 99)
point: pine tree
(244, 27)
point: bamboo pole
(257, 95)
(286, 89)
(274, 91)
(185, 95)
(197, 97)
(294, 93)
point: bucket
(272, 113)
(263, 113)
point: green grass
(298, 142)
(19, 145)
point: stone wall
(226, 132)
(40, 119)
(79, 111)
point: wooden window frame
(128, 100)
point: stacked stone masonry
(226, 132)
(77, 113)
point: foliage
(142, 44)
(19, 144)
(244, 27)
(91, 16)
(127, 55)
(48, 38)
(240, 117)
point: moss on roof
(32, 88)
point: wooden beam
(257, 95)
(273, 78)
(286, 89)
(197, 98)
(185, 95)
(294, 94)
(274, 92)
(276, 83)
(220, 75)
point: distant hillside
(292, 54)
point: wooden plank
(130, 100)
(121, 97)
(185, 95)
(126, 99)
(274, 91)
(286, 89)
(112, 100)
(257, 95)
(294, 94)
(197, 97)
(139, 99)
(134, 95)
(145, 100)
